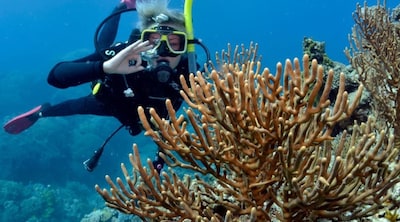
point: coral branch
(261, 148)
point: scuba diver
(144, 71)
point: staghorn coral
(267, 146)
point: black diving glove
(158, 163)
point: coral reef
(262, 149)
(316, 49)
(107, 215)
(45, 203)
(375, 54)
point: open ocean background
(41, 173)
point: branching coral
(375, 54)
(267, 146)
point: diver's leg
(23, 121)
(84, 105)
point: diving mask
(166, 40)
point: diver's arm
(67, 74)
(127, 61)
(109, 31)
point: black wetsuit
(111, 100)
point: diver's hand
(128, 60)
(129, 3)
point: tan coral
(266, 145)
(375, 54)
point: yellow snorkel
(190, 35)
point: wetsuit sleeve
(66, 74)
(89, 68)
(109, 31)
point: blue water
(37, 34)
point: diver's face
(173, 61)
(167, 47)
(175, 42)
(168, 42)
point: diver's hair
(148, 10)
